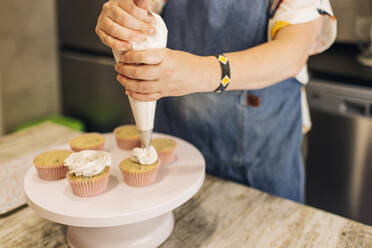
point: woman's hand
(154, 73)
(122, 21)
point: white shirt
(289, 12)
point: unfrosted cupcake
(166, 149)
(89, 141)
(88, 172)
(141, 168)
(50, 165)
(127, 137)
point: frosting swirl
(87, 163)
(144, 156)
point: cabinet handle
(354, 108)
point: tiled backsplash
(346, 12)
(28, 62)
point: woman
(252, 132)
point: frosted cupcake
(141, 168)
(88, 172)
(89, 141)
(166, 149)
(50, 165)
(127, 137)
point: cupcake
(127, 137)
(89, 141)
(50, 165)
(166, 149)
(88, 172)
(141, 168)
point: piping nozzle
(145, 138)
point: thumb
(144, 4)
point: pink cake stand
(123, 216)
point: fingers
(144, 97)
(138, 86)
(124, 19)
(113, 29)
(144, 4)
(114, 43)
(150, 56)
(136, 11)
(141, 72)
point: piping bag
(144, 112)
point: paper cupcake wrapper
(89, 188)
(128, 144)
(97, 148)
(52, 173)
(167, 157)
(140, 179)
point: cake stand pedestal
(123, 216)
(148, 233)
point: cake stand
(123, 216)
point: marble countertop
(222, 214)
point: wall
(346, 12)
(1, 108)
(28, 62)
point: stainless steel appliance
(90, 91)
(339, 163)
(76, 24)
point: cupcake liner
(167, 157)
(52, 173)
(140, 179)
(89, 188)
(127, 144)
(97, 148)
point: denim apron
(257, 146)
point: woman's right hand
(122, 21)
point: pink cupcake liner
(97, 148)
(140, 179)
(167, 157)
(89, 188)
(128, 144)
(52, 173)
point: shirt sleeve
(287, 12)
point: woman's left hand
(151, 74)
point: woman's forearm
(269, 63)
(151, 74)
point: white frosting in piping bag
(88, 163)
(157, 40)
(144, 156)
(144, 112)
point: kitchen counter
(339, 64)
(222, 214)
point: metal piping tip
(146, 138)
